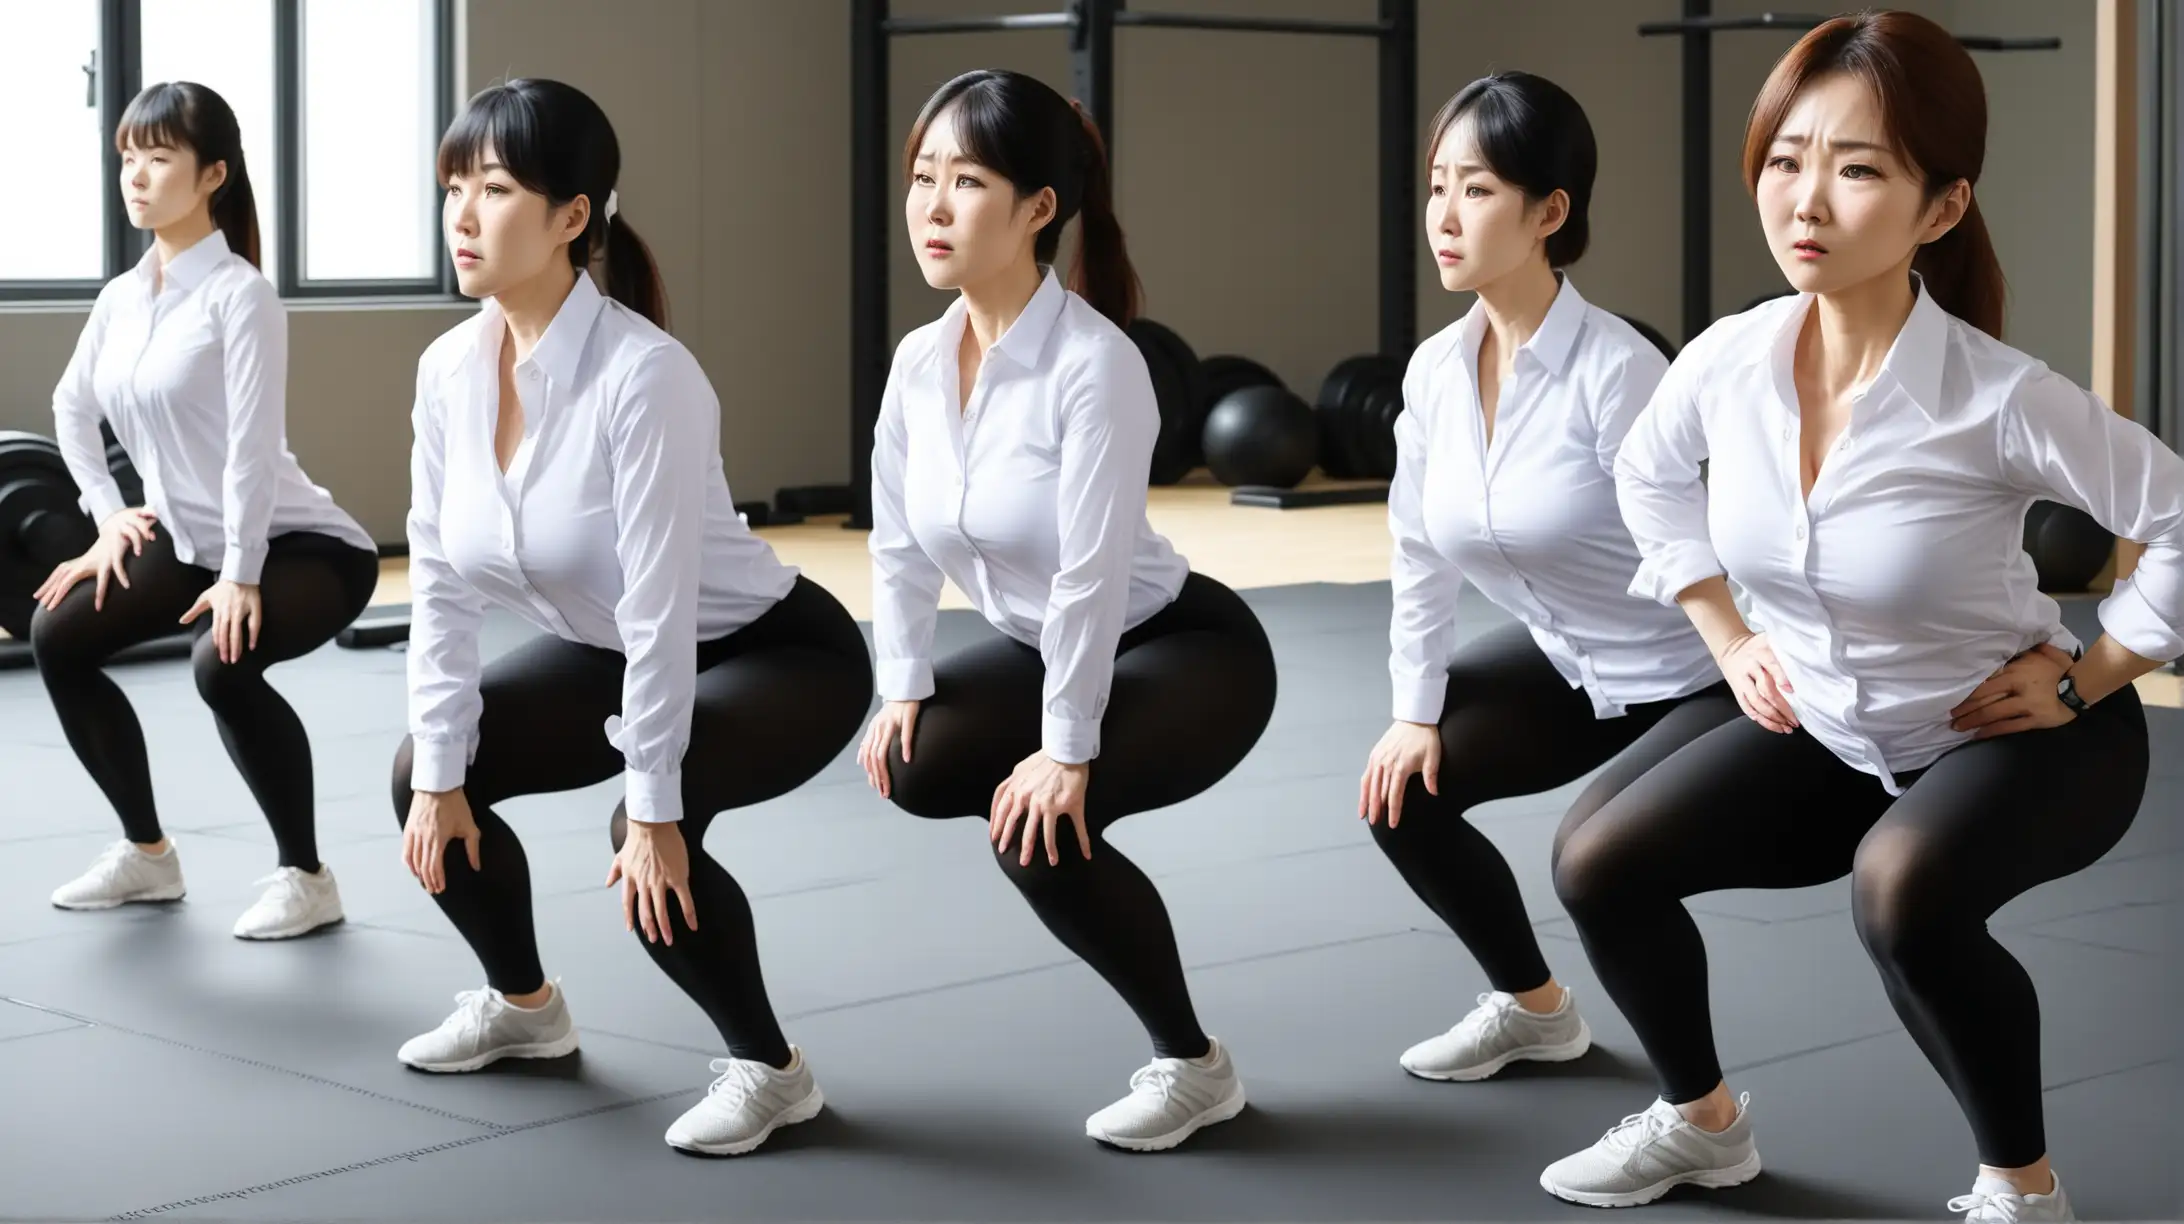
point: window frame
(118, 62)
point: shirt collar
(1914, 362)
(1551, 344)
(189, 268)
(1024, 339)
(562, 347)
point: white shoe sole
(1710, 1179)
(803, 1111)
(557, 1048)
(1220, 1111)
(1568, 1051)
(295, 929)
(165, 892)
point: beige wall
(1245, 180)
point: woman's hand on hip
(2019, 697)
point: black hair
(555, 141)
(1534, 136)
(186, 115)
(1018, 127)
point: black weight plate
(1185, 446)
(1339, 457)
(125, 474)
(1372, 426)
(1171, 457)
(1361, 382)
(40, 523)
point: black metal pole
(1698, 222)
(1092, 64)
(1399, 157)
(120, 77)
(868, 204)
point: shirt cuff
(905, 679)
(102, 501)
(1069, 741)
(244, 565)
(438, 765)
(1418, 699)
(652, 798)
(1667, 574)
(2137, 627)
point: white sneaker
(486, 1028)
(1994, 1201)
(747, 1104)
(1650, 1153)
(1170, 1099)
(122, 874)
(295, 902)
(1497, 1033)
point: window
(371, 124)
(226, 46)
(49, 90)
(341, 104)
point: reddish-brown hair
(1934, 107)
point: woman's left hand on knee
(1037, 795)
(653, 862)
(237, 613)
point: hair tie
(614, 203)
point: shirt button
(1800, 531)
(1785, 433)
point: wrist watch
(2066, 690)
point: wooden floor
(1243, 546)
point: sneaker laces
(473, 1012)
(1633, 1133)
(1980, 1207)
(1157, 1078)
(1489, 1019)
(285, 883)
(110, 860)
(741, 1078)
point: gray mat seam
(2036, 933)
(498, 1132)
(2101, 1075)
(93, 1022)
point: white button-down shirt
(193, 379)
(1031, 499)
(613, 527)
(1902, 583)
(1530, 516)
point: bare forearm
(1713, 613)
(2106, 667)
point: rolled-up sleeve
(2061, 443)
(1659, 488)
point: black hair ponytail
(554, 140)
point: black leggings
(1743, 807)
(1193, 689)
(310, 588)
(1511, 725)
(776, 701)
